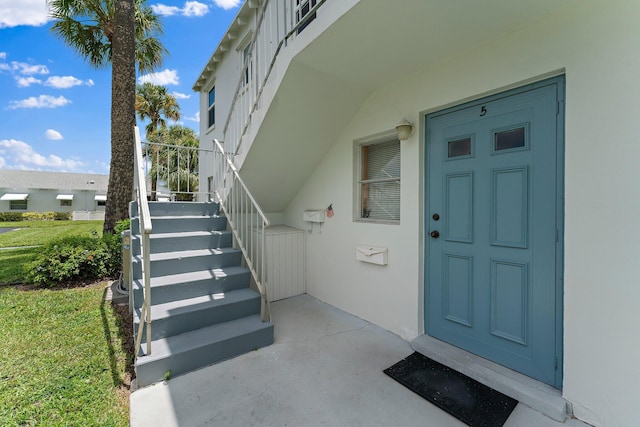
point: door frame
(559, 81)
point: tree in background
(153, 102)
(177, 161)
(124, 33)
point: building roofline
(239, 21)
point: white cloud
(227, 4)
(191, 8)
(23, 156)
(30, 69)
(164, 10)
(65, 82)
(43, 101)
(195, 118)
(53, 135)
(3, 55)
(2, 162)
(165, 77)
(23, 68)
(178, 95)
(103, 167)
(23, 12)
(194, 8)
(27, 81)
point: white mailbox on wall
(313, 215)
(372, 254)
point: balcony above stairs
(203, 309)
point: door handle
(435, 234)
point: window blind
(380, 183)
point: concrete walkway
(324, 369)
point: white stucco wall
(597, 45)
(45, 201)
(225, 79)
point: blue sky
(55, 109)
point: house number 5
(483, 111)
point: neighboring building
(506, 224)
(84, 195)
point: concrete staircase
(203, 309)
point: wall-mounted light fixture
(404, 129)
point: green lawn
(33, 233)
(62, 361)
(12, 261)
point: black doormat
(469, 401)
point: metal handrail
(246, 219)
(145, 221)
(290, 29)
(173, 164)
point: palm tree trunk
(123, 96)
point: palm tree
(154, 103)
(124, 33)
(177, 160)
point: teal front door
(494, 228)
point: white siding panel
(285, 262)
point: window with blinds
(379, 181)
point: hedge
(35, 216)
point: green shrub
(62, 216)
(77, 258)
(35, 216)
(113, 243)
(10, 216)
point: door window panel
(510, 139)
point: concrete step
(535, 394)
(203, 310)
(182, 208)
(177, 223)
(177, 317)
(189, 240)
(168, 263)
(175, 287)
(197, 349)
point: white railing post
(261, 50)
(146, 229)
(239, 206)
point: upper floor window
(303, 7)
(378, 181)
(245, 58)
(212, 107)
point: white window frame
(389, 137)
(302, 8)
(243, 50)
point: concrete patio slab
(325, 368)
